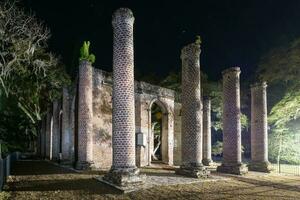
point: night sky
(234, 32)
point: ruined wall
(102, 119)
(177, 134)
(145, 95)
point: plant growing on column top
(85, 54)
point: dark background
(234, 32)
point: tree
(30, 76)
(280, 68)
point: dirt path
(43, 180)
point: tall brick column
(66, 129)
(123, 171)
(232, 149)
(43, 138)
(206, 131)
(85, 116)
(48, 140)
(259, 129)
(55, 132)
(191, 140)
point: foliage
(5, 195)
(85, 54)
(280, 68)
(198, 40)
(30, 76)
(217, 148)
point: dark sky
(234, 32)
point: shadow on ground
(43, 180)
(88, 185)
(37, 167)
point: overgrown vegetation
(280, 68)
(30, 76)
(85, 53)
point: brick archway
(167, 156)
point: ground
(43, 180)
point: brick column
(232, 150)
(85, 116)
(259, 129)
(123, 171)
(43, 137)
(191, 114)
(207, 131)
(38, 140)
(55, 132)
(66, 129)
(48, 145)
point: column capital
(232, 70)
(122, 15)
(190, 51)
(257, 85)
(85, 63)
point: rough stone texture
(123, 171)
(177, 134)
(67, 141)
(55, 132)
(207, 131)
(38, 142)
(85, 117)
(191, 114)
(146, 95)
(259, 129)
(102, 119)
(167, 179)
(43, 138)
(232, 152)
(73, 116)
(49, 123)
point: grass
(287, 169)
(4, 195)
(42, 180)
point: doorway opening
(156, 129)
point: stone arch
(167, 156)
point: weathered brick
(232, 149)
(206, 131)
(259, 128)
(191, 138)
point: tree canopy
(30, 76)
(280, 68)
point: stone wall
(145, 95)
(177, 134)
(102, 119)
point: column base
(260, 166)
(84, 165)
(207, 162)
(238, 168)
(194, 171)
(125, 177)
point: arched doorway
(158, 133)
(156, 129)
